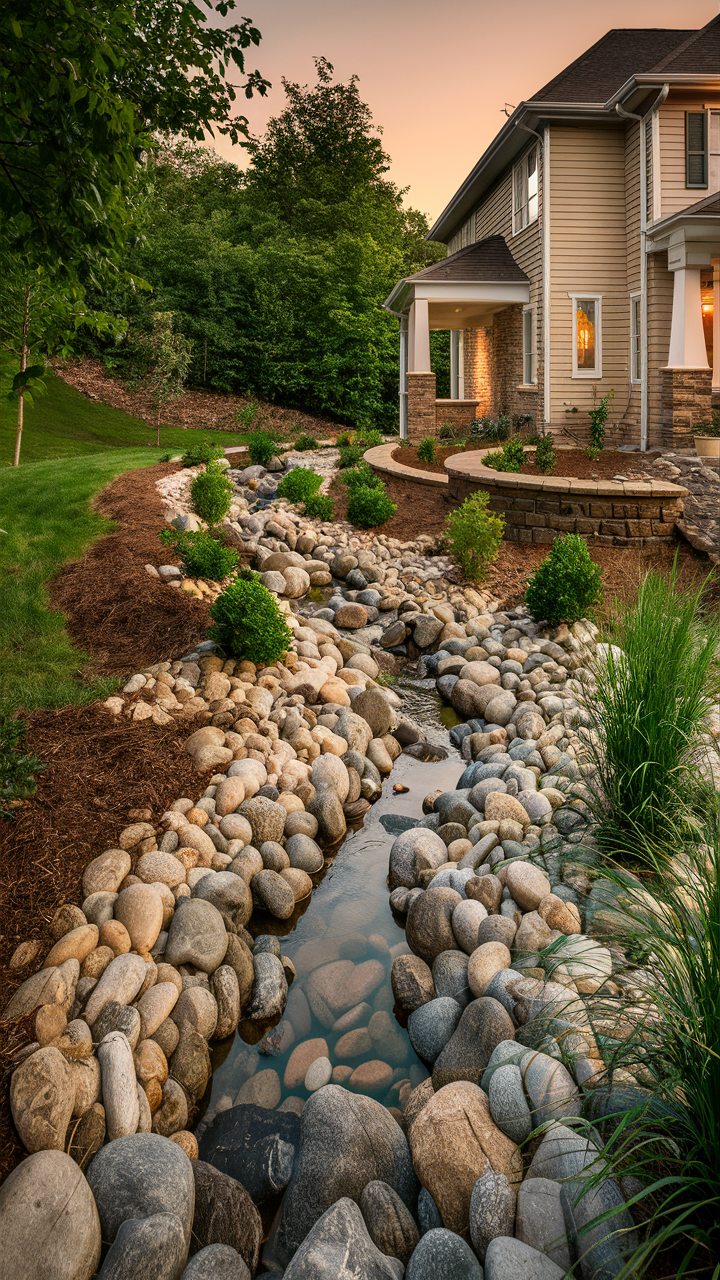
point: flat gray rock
(49, 1225)
(339, 1248)
(540, 1221)
(138, 1177)
(508, 1259)
(442, 1253)
(146, 1249)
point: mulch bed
(98, 770)
(571, 462)
(195, 409)
(115, 610)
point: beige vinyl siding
(675, 196)
(588, 254)
(631, 419)
(660, 300)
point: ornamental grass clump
(299, 484)
(651, 707)
(248, 622)
(369, 506)
(567, 585)
(203, 555)
(211, 493)
(426, 449)
(474, 535)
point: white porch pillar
(419, 337)
(716, 324)
(687, 341)
(403, 378)
(454, 364)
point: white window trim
(530, 310)
(593, 374)
(635, 381)
(516, 231)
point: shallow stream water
(348, 916)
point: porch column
(455, 380)
(419, 337)
(716, 325)
(403, 378)
(687, 341)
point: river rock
(412, 983)
(507, 1259)
(216, 1262)
(225, 988)
(428, 929)
(263, 1089)
(389, 1222)
(487, 960)
(563, 1154)
(301, 1058)
(229, 894)
(120, 1099)
(151, 1248)
(266, 818)
(452, 1140)
(121, 982)
(346, 1141)
(139, 1176)
(106, 873)
(269, 990)
(88, 1135)
(87, 1083)
(450, 976)
(551, 1089)
(239, 957)
(388, 1040)
(414, 851)
(492, 1211)
(483, 1025)
(42, 1096)
(254, 1145)
(338, 1245)
(155, 1006)
(99, 907)
(190, 1063)
(47, 986)
(527, 884)
(164, 867)
(304, 853)
(441, 1253)
(334, 988)
(196, 936)
(319, 1073)
(74, 945)
(229, 796)
(508, 1105)
(49, 1225)
(140, 909)
(274, 893)
(328, 770)
(326, 806)
(540, 1221)
(172, 1114)
(497, 929)
(467, 917)
(432, 1025)
(225, 1214)
(374, 708)
(196, 1007)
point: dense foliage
(17, 766)
(248, 622)
(567, 585)
(545, 455)
(368, 507)
(261, 448)
(203, 556)
(299, 484)
(474, 535)
(204, 451)
(362, 474)
(211, 493)
(319, 506)
(426, 449)
(510, 458)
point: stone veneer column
(422, 417)
(686, 399)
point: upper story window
(696, 149)
(463, 237)
(587, 335)
(525, 190)
(635, 337)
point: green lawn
(63, 424)
(46, 521)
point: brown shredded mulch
(115, 610)
(98, 769)
(571, 462)
(196, 409)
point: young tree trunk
(158, 428)
(23, 367)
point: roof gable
(699, 53)
(487, 261)
(603, 68)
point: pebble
(318, 1074)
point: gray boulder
(492, 1211)
(540, 1220)
(602, 1249)
(49, 1225)
(508, 1259)
(450, 976)
(338, 1247)
(442, 1253)
(147, 1249)
(508, 1104)
(432, 1025)
(216, 1262)
(138, 1177)
(197, 935)
(225, 1214)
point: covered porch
(463, 294)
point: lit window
(587, 360)
(525, 191)
(635, 338)
(696, 149)
(528, 346)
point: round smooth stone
(318, 1074)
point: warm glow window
(635, 340)
(587, 361)
(525, 191)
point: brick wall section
(686, 402)
(477, 368)
(494, 367)
(422, 419)
(539, 516)
(457, 413)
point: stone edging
(381, 459)
(470, 467)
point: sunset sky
(436, 76)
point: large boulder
(412, 852)
(225, 1214)
(255, 1146)
(428, 928)
(49, 1225)
(338, 1246)
(346, 1141)
(138, 1177)
(147, 1249)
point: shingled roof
(488, 261)
(603, 68)
(699, 53)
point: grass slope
(63, 424)
(46, 521)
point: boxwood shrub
(204, 451)
(211, 493)
(299, 484)
(474, 534)
(248, 622)
(567, 585)
(319, 507)
(367, 507)
(202, 554)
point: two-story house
(583, 253)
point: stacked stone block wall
(686, 402)
(422, 418)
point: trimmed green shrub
(368, 439)
(305, 443)
(261, 447)
(204, 451)
(202, 554)
(361, 474)
(350, 455)
(567, 585)
(474, 535)
(319, 507)
(511, 458)
(343, 439)
(367, 507)
(426, 449)
(299, 484)
(211, 493)
(545, 455)
(248, 622)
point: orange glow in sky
(436, 76)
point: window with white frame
(587, 335)
(528, 346)
(525, 190)
(635, 337)
(696, 149)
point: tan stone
(527, 884)
(485, 961)
(499, 807)
(140, 909)
(261, 1090)
(163, 867)
(107, 872)
(95, 964)
(302, 1057)
(66, 918)
(188, 1142)
(155, 1006)
(371, 1077)
(75, 945)
(150, 1062)
(563, 916)
(114, 935)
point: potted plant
(707, 437)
